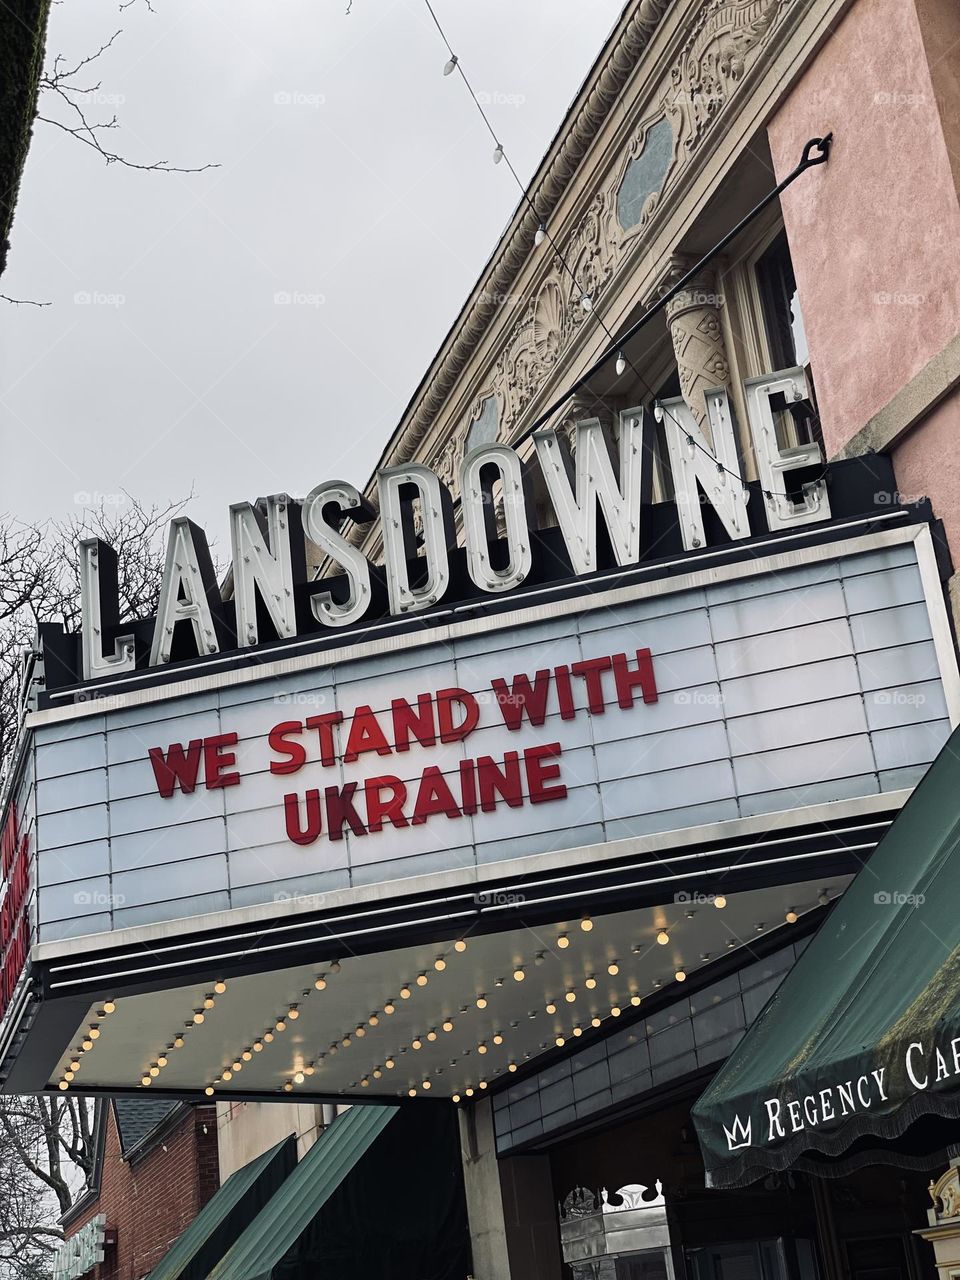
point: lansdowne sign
(641, 677)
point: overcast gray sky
(355, 179)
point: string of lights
(816, 152)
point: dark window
(781, 305)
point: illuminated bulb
(268, 1037)
(551, 1007)
(426, 1084)
(439, 964)
(345, 1042)
(209, 1002)
(228, 1075)
(299, 1078)
(162, 1060)
(86, 1044)
(791, 916)
(374, 1020)
(468, 1092)
(310, 1069)
(246, 1055)
(109, 1007)
(634, 1000)
(178, 1042)
(280, 1025)
(563, 941)
(390, 1064)
(94, 1033)
(481, 1048)
(416, 1044)
(719, 902)
(237, 1066)
(447, 1025)
(615, 1011)
(145, 1080)
(154, 1071)
(481, 1084)
(421, 979)
(455, 1098)
(220, 987)
(663, 937)
(559, 1042)
(404, 993)
(377, 1073)
(431, 1034)
(481, 1002)
(570, 996)
(451, 65)
(498, 1038)
(68, 1075)
(586, 924)
(590, 983)
(74, 1066)
(364, 1083)
(518, 975)
(595, 1022)
(511, 1066)
(541, 234)
(321, 984)
(680, 976)
(293, 1013)
(621, 363)
(613, 968)
(288, 1086)
(460, 945)
(209, 1091)
(411, 1093)
(498, 153)
(198, 1017)
(389, 1008)
(360, 1032)
(578, 1031)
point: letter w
(177, 767)
(523, 696)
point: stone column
(694, 320)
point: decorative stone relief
(697, 335)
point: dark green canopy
(226, 1214)
(863, 1036)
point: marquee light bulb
(389, 1008)
(635, 1000)
(439, 964)
(237, 1066)
(663, 937)
(162, 1060)
(481, 1048)
(498, 1038)
(299, 1078)
(86, 1045)
(559, 1042)
(346, 1042)
(416, 1044)
(268, 1037)
(246, 1056)
(288, 1086)
(220, 987)
(145, 1080)
(321, 984)
(578, 1031)
(390, 1064)
(468, 1092)
(455, 1098)
(791, 916)
(94, 1033)
(280, 1025)
(586, 924)
(198, 1017)
(511, 1066)
(293, 1013)
(154, 1071)
(74, 1066)
(377, 1073)
(411, 1093)
(364, 1083)
(374, 1019)
(404, 993)
(590, 983)
(518, 974)
(615, 1011)
(209, 1002)
(178, 1042)
(563, 941)
(209, 1091)
(257, 1046)
(613, 968)
(309, 1069)
(109, 1007)
(481, 1084)
(360, 1032)
(68, 1075)
(570, 996)
(228, 1075)
(719, 901)
(447, 1024)
(481, 1002)
(551, 1007)
(595, 1022)
(426, 1084)
(421, 979)
(680, 975)
(431, 1034)
(460, 945)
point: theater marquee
(196, 851)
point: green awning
(282, 1221)
(225, 1215)
(862, 1038)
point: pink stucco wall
(927, 465)
(875, 234)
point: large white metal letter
(480, 522)
(774, 463)
(696, 463)
(399, 539)
(344, 499)
(266, 556)
(100, 611)
(189, 593)
(597, 487)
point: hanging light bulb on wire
(451, 66)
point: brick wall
(152, 1199)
